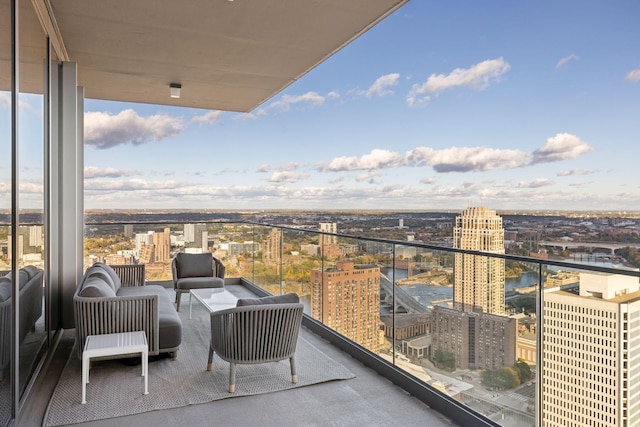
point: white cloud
(633, 76)
(540, 182)
(91, 172)
(291, 166)
(381, 86)
(376, 159)
(333, 95)
(104, 130)
(261, 112)
(577, 172)
(286, 101)
(478, 76)
(210, 117)
(466, 159)
(287, 176)
(5, 100)
(369, 176)
(428, 181)
(562, 62)
(562, 146)
(264, 168)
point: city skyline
(440, 106)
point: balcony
(366, 304)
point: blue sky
(443, 105)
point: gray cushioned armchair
(256, 331)
(196, 271)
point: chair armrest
(108, 315)
(130, 274)
(218, 268)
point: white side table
(113, 345)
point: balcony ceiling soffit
(228, 55)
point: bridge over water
(403, 299)
(591, 246)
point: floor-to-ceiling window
(30, 170)
(25, 327)
(5, 209)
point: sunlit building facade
(479, 281)
(347, 299)
(591, 353)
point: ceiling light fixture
(174, 89)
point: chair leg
(174, 355)
(294, 377)
(178, 295)
(232, 377)
(210, 362)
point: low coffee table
(214, 299)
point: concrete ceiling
(227, 55)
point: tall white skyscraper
(329, 227)
(479, 281)
(590, 353)
(189, 233)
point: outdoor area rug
(116, 389)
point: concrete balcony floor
(368, 399)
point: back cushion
(5, 288)
(194, 265)
(31, 270)
(98, 271)
(95, 287)
(290, 298)
(117, 284)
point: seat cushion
(169, 323)
(290, 298)
(199, 283)
(194, 265)
(96, 287)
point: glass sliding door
(30, 172)
(5, 212)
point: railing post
(393, 303)
(539, 335)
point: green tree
(524, 371)
(502, 379)
(444, 360)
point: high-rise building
(144, 239)
(196, 236)
(272, 252)
(479, 281)
(189, 233)
(36, 236)
(329, 227)
(476, 340)
(347, 299)
(590, 370)
(162, 243)
(128, 230)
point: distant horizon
(513, 211)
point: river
(428, 294)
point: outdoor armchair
(196, 271)
(256, 331)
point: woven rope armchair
(255, 334)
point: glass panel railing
(300, 255)
(467, 323)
